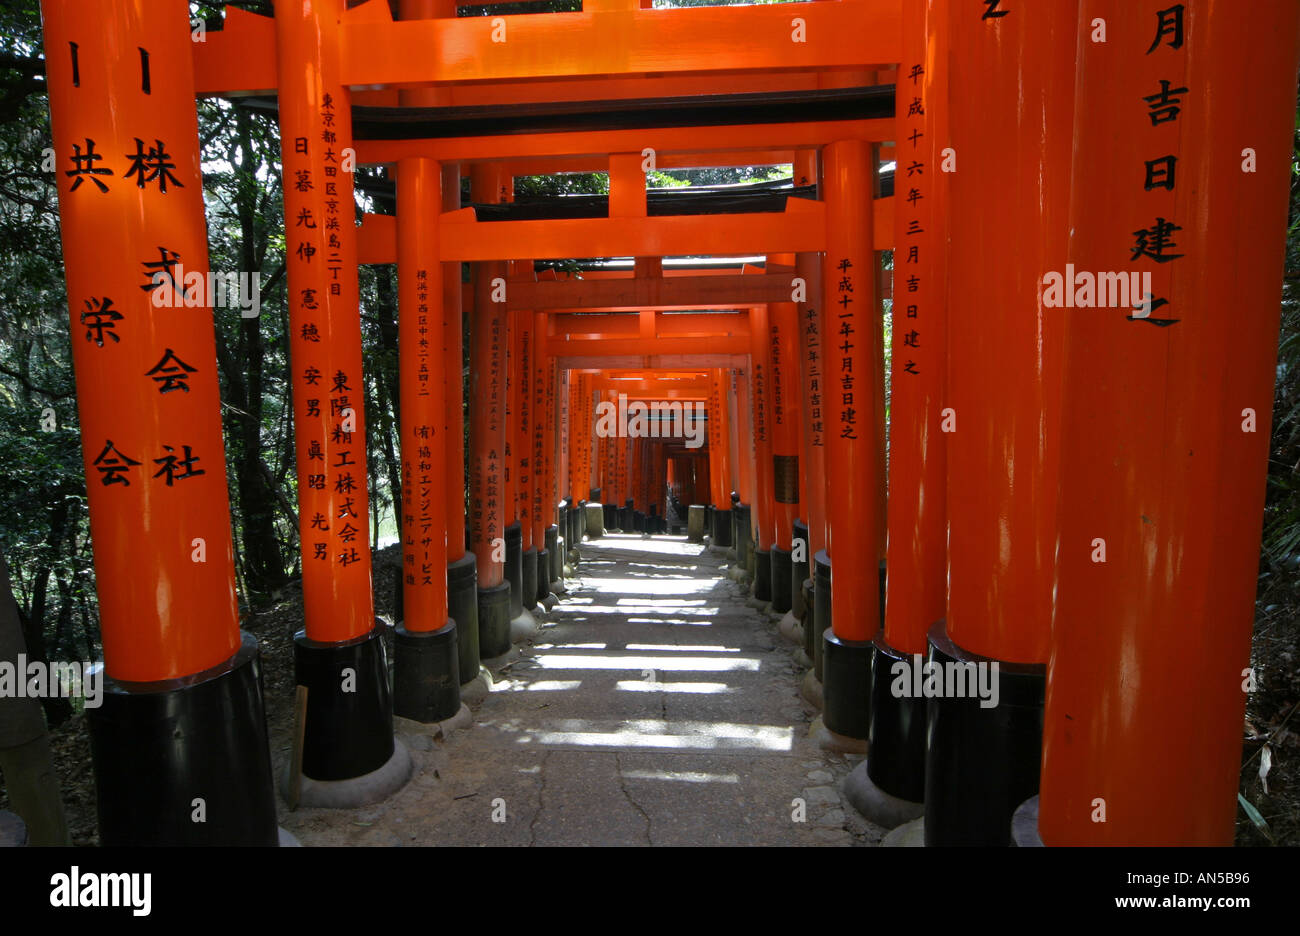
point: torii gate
(793, 86)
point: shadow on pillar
(782, 579)
(821, 609)
(160, 746)
(981, 761)
(530, 578)
(799, 571)
(762, 575)
(462, 605)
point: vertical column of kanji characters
(523, 368)
(324, 327)
(715, 481)
(1183, 143)
(785, 419)
(586, 434)
(760, 370)
(538, 432)
(423, 454)
(916, 515)
(848, 275)
(120, 84)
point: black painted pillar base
(625, 522)
(611, 517)
(574, 523)
(821, 609)
(514, 537)
(722, 528)
(982, 761)
(638, 521)
(798, 570)
(158, 746)
(811, 631)
(543, 575)
(494, 621)
(530, 579)
(846, 685)
(744, 544)
(349, 729)
(462, 607)
(426, 673)
(762, 575)
(897, 730)
(553, 551)
(782, 579)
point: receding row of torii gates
(1075, 487)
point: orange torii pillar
(916, 516)
(735, 451)
(521, 556)
(576, 480)
(849, 287)
(722, 522)
(760, 359)
(487, 427)
(624, 491)
(426, 676)
(806, 286)
(609, 469)
(462, 584)
(539, 511)
(1003, 396)
(554, 467)
(1166, 422)
(744, 507)
(339, 657)
(786, 442)
(183, 689)
(715, 443)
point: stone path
(654, 707)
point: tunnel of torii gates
(1075, 494)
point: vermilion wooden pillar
(848, 281)
(487, 440)
(787, 435)
(348, 730)
(760, 358)
(462, 577)
(426, 682)
(525, 480)
(1166, 417)
(745, 469)
(917, 557)
(811, 369)
(121, 90)
(1011, 102)
(540, 430)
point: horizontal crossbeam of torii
(800, 228)
(241, 59)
